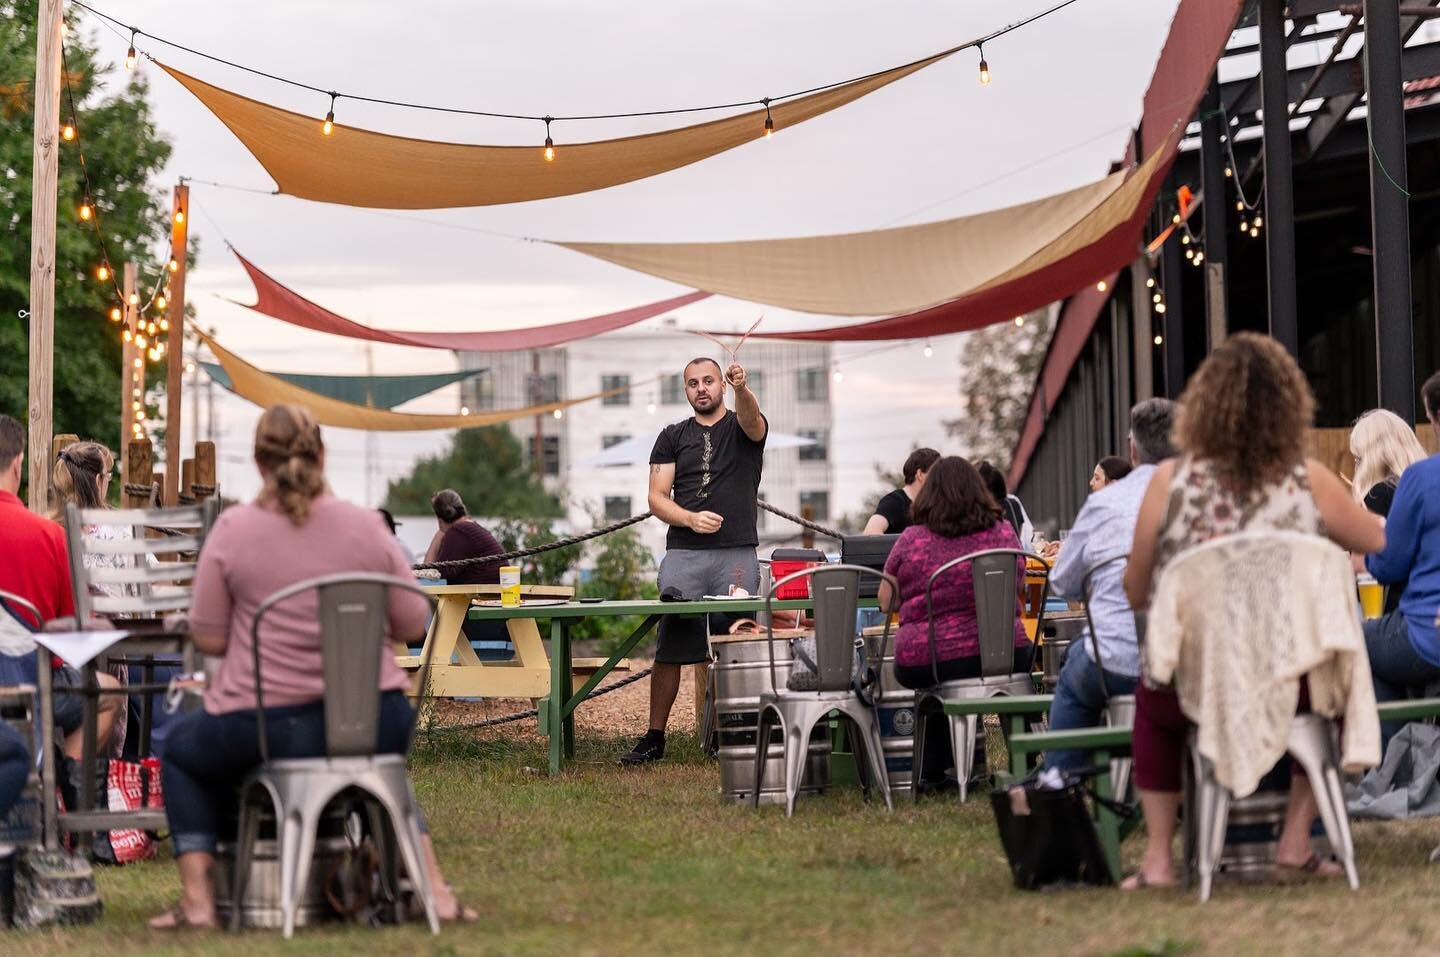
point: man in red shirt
(34, 562)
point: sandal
(178, 920)
(1315, 866)
(462, 915)
(1139, 882)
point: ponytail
(288, 450)
(76, 476)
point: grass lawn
(608, 861)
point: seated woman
(1110, 469)
(82, 477)
(294, 530)
(1010, 505)
(1383, 447)
(954, 516)
(1241, 431)
(893, 511)
(457, 537)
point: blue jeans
(15, 767)
(1080, 703)
(208, 756)
(1395, 666)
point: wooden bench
(582, 668)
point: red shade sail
(280, 302)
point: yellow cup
(510, 586)
(1372, 597)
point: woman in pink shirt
(294, 530)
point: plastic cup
(1372, 596)
(510, 586)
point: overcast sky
(932, 146)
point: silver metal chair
(1120, 708)
(993, 576)
(353, 613)
(836, 591)
(1314, 743)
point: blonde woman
(294, 530)
(1383, 446)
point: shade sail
(956, 275)
(266, 390)
(280, 302)
(371, 391)
(356, 167)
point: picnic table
(560, 699)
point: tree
(123, 151)
(546, 568)
(624, 571)
(486, 466)
(997, 375)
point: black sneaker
(650, 747)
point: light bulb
(127, 335)
(559, 413)
(1254, 232)
(130, 59)
(1185, 240)
(140, 415)
(769, 126)
(650, 408)
(173, 265)
(464, 410)
(549, 150)
(1258, 222)
(1156, 298)
(139, 363)
(67, 132)
(159, 302)
(1175, 219)
(1150, 282)
(102, 272)
(135, 406)
(140, 340)
(164, 325)
(984, 69)
(1189, 254)
(1102, 285)
(179, 217)
(150, 328)
(1199, 256)
(1019, 320)
(134, 298)
(328, 126)
(1229, 172)
(928, 350)
(87, 211)
(156, 355)
(1160, 308)
(1159, 340)
(839, 376)
(115, 314)
(1239, 206)
(1244, 227)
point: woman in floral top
(953, 515)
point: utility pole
(175, 341)
(45, 197)
(132, 385)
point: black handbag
(1049, 835)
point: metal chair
(1314, 743)
(352, 611)
(836, 590)
(1120, 708)
(993, 577)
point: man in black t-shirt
(892, 512)
(704, 484)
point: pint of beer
(1372, 596)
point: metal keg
(261, 906)
(1060, 634)
(896, 707)
(742, 674)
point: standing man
(704, 483)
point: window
(617, 507)
(550, 464)
(608, 440)
(813, 385)
(611, 382)
(820, 451)
(761, 516)
(756, 379)
(544, 388)
(484, 386)
(672, 389)
(819, 501)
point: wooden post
(807, 537)
(187, 479)
(57, 445)
(204, 471)
(175, 342)
(138, 472)
(44, 198)
(128, 352)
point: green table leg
(559, 691)
(1107, 824)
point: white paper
(78, 648)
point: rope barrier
(536, 550)
(534, 712)
(802, 522)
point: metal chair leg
(917, 748)
(795, 737)
(762, 752)
(963, 731)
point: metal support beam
(1142, 349)
(1389, 209)
(1213, 163)
(1172, 349)
(1279, 182)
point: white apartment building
(791, 379)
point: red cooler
(788, 561)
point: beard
(705, 407)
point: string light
(87, 212)
(67, 132)
(164, 325)
(929, 350)
(1239, 206)
(549, 143)
(173, 265)
(650, 407)
(1175, 219)
(1254, 232)
(179, 217)
(769, 120)
(1101, 286)
(150, 328)
(1189, 254)
(130, 53)
(102, 271)
(1229, 172)
(1185, 240)
(1199, 256)
(1258, 221)
(984, 67)
(559, 413)
(328, 126)
(1150, 282)
(127, 335)
(134, 299)
(1160, 308)
(1156, 298)
(160, 302)
(464, 410)
(1159, 339)
(1019, 320)
(837, 375)
(141, 341)
(115, 314)
(139, 362)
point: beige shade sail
(899, 270)
(266, 390)
(356, 167)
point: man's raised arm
(747, 407)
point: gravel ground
(622, 712)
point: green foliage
(997, 376)
(546, 568)
(624, 571)
(123, 152)
(488, 468)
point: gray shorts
(696, 573)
